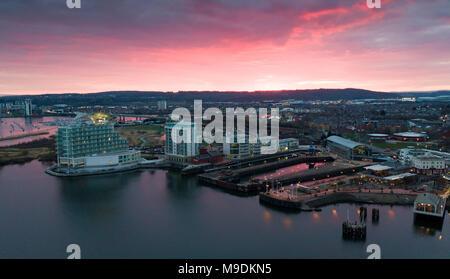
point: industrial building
(347, 148)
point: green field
(136, 134)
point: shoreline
(24, 136)
(91, 172)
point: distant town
(378, 150)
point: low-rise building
(246, 149)
(378, 137)
(429, 165)
(410, 136)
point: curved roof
(410, 135)
(344, 142)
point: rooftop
(345, 142)
(378, 168)
(428, 198)
(399, 176)
(411, 135)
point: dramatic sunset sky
(172, 45)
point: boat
(429, 206)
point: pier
(229, 179)
(290, 199)
(336, 169)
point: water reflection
(155, 213)
(95, 197)
(287, 222)
(424, 226)
(267, 216)
(180, 186)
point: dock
(229, 179)
(306, 202)
(338, 168)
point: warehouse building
(347, 148)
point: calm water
(159, 214)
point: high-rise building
(28, 107)
(180, 152)
(93, 143)
(162, 105)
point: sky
(180, 45)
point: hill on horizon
(122, 97)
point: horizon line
(218, 91)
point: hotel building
(92, 143)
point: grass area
(135, 134)
(20, 155)
(43, 150)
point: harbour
(146, 209)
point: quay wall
(366, 198)
(281, 164)
(320, 175)
(230, 186)
(288, 204)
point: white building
(429, 165)
(407, 155)
(90, 142)
(243, 150)
(162, 105)
(28, 107)
(180, 152)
